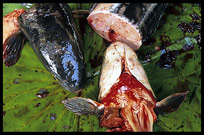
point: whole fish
(51, 31)
(130, 23)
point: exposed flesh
(125, 91)
(10, 24)
(13, 38)
(114, 28)
(118, 56)
(128, 106)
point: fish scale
(52, 34)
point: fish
(129, 23)
(13, 38)
(126, 101)
(50, 30)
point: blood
(90, 22)
(118, 108)
(129, 86)
(112, 35)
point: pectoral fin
(12, 48)
(170, 103)
(84, 106)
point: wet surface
(52, 116)
(60, 50)
(112, 35)
(187, 57)
(42, 93)
(16, 80)
(166, 59)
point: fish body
(126, 91)
(130, 23)
(126, 101)
(51, 31)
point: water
(52, 116)
(42, 93)
(16, 80)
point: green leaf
(24, 111)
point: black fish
(51, 32)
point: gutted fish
(126, 99)
(51, 32)
(13, 38)
(130, 23)
(128, 90)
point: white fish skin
(120, 58)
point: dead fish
(13, 38)
(130, 23)
(51, 31)
(126, 99)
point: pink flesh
(115, 28)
